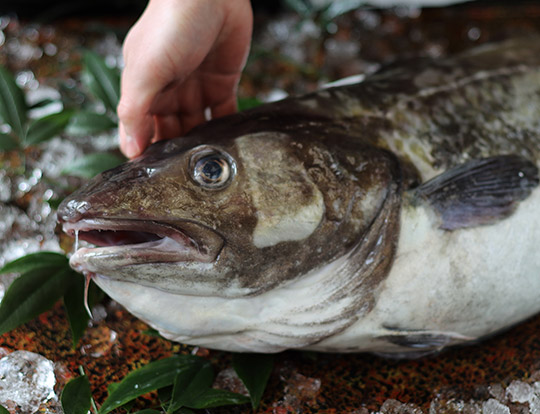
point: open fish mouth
(131, 242)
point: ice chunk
(26, 380)
(520, 392)
(392, 406)
(492, 406)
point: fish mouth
(128, 242)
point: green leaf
(54, 202)
(189, 384)
(7, 143)
(337, 8)
(76, 396)
(45, 128)
(30, 294)
(184, 410)
(74, 303)
(247, 103)
(3, 410)
(35, 261)
(148, 411)
(101, 80)
(218, 398)
(42, 103)
(150, 377)
(88, 123)
(254, 371)
(302, 7)
(93, 164)
(13, 107)
(112, 387)
(152, 332)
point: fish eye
(211, 168)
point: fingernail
(132, 148)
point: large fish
(398, 215)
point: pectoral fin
(480, 191)
(425, 340)
(417, 343)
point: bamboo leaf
(254, 370)
(304, 8)
(30, 294)
(54, 202)
(88, 123)
(41, 103)
(3, 410)
(74, 303)
(338, 8)
(184, 410)
(93, 164)
(248, 103)
(157, 374)
(7, 143)
(76, 396)
(34, 261)
(146, 411)
(13, 107)
(151, 332)
(189, 384)
(47, 127)
(101, 80)
(218, 398)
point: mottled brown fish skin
(438, 113)
(337, 166)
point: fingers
(138, 88)
(161, 49)
(181, 57)
(226, 107)
(135, 129)
(176, 125)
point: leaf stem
(92, 402)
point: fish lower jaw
(130, 242)
(105, 259)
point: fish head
(232, 217)
(164, 219)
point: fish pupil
(212, 170)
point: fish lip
(173, 243)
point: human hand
(181, 57)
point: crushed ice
(27, 381)
(517, 397)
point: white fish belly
(463, 284)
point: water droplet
(98, 341)
(50, 49)
(47, 195)
(24, 186)
(474, 33)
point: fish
(398, 215)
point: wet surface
(289, 56)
